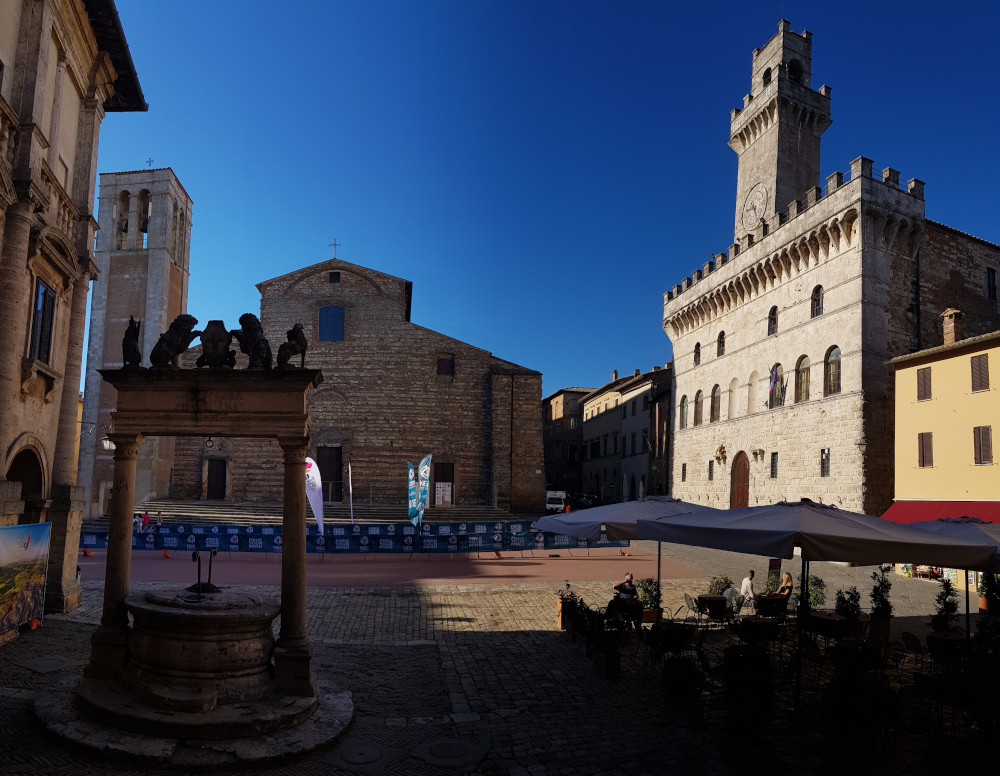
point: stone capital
(295, 449)
(126, 445)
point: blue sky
(542, 171)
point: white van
(556, 501)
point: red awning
(921, 511)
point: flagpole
(350, 491)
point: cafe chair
(895, 654)
(914, 647)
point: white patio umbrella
(619, 519)
(822, 533)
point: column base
(61, 598)
(108, 652)
(293, 669)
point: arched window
(683, 420)
(772, 321)
(143, 202)
(720, 348)
(121, 220)
(766, 79)
(698, 397)
(734, 388)
(776, 390)
(753, 397)
(795, 72)
(816, 305)
(716, 404)
(802, 380)
(831, 372)
(697, 353)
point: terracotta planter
(878, 629)
(652, 615)
(561, 613)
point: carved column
(108, 644)
(292, 657)
(15, 291)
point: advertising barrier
(24, 560)
(476, 536)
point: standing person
(746, 590)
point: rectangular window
(41, 322)
(923, 384)
(824, 462)
(684, 472)
(991, 283)
(446, 366)
(334, 277)
(605, 440)
(572, 422)
(980, 373)
(633, 406)
(925, 450)
(774, 466)
(331, 324)
(982, 437)
(624, 411)
(646, 446)
(711, 470)
(614, 443)
(632, 443)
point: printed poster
(24, 558)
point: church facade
(392, 392)
(780, 344)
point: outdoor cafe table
(947, 647)
(672, 636)
(755, 629)
(771, 605)
(827, 623)
(713, 605)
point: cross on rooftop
(334, 245)
(149, 163)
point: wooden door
(216, 489)
(739, 494)
(330, 461)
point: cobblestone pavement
(483, 663)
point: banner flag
(412, 494)
(424, 476)
(350, 490)
(314, 491)
(24, 558)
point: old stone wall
(383, 402)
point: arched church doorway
(739, 491)
(27, 469)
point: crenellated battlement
(861, 168)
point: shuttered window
(980, 373)
(982, 437)
(925, 450)
(331, 324)
(711, 470)
(774, 466)
(923, 384)
(41, 323)
(684, 472)
(824, 462)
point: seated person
(626, 589)
(747, 591)
(786, 586)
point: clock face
(754, 207)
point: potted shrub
(947, 607)
(989, 595)
(719, 585)
(848, 606)
(817, 592)
(565, 602)
(682, 701)
(882, 609)
(650, 596)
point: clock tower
(777, 131)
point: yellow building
(947, 404)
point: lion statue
(174, 341)
(250, 335)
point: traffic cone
(165, 553)
(88, 554)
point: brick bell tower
(777, 131)
(143, 252)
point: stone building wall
(383, 403)
(562, 423)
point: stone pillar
(57, 90)
(11, 505)
(15, 291)
(108, 644)
(292, 657)
(67, 440)
(62, 590)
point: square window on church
(334, 277)
(331, 324)
(446, 366)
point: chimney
(614, 375)
(952, 326)
(636, 373)
(656, 367)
